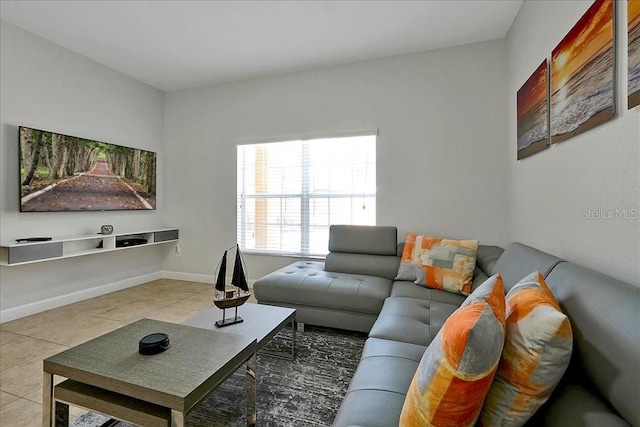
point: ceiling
(173, 45)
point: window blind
(289, 193)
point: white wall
(446, 154)
(441, 145)
(600, 169)
(48, 87)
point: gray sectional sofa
(355, 289)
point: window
(289, 193)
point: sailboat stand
(225, 298)
(227, 322)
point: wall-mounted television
(68, 173)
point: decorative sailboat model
(235, 296)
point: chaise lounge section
(346, 291)
(355, 289)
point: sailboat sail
(239, 279)
(222, 273)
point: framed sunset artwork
(533, 131)
(633, 28)
(582, 74)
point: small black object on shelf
(154, 344)
(106, 229)
(131, 240)
(34, 239)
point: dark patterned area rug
(304, 392)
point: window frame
(305, 195)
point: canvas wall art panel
(633, 29)
(533, 129)
(582, 74)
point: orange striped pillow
(445, 264)
(457, 368)
(535, 356)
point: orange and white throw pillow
(446, 264)
(438, 263)
(457, 368)
(536, 354)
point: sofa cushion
(412, 290)
(576, 404)
(445, 264)
(375, 347)
(410, 320)
(479, 277)
(360, 239)
(369, 408)
(371, 265)
(536, 354)
(378, 387)
(306, 283)
(518, 260)
(363, 250)
(604, 316)
(487, 257)
(457, 368)
(409, 289)
(388, 373)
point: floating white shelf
(14, 253)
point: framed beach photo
(583, 73)
(533, 129)
(633, 29)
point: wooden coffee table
(261, 322)
(176, 380)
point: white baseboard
(188, 277)
(200, 278)
(55, 302)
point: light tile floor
(25, 342)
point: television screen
(67, 173)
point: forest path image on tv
(63, 173)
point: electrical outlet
(178, 250)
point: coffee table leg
(47, 400)
(177, 418)
(251, 391)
